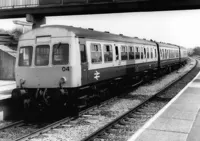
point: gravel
(86, 124)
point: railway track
(15, 124)
(53, 125)
(139, 114)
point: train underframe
(73, 100)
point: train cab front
(43, 73)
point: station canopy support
(37, 20)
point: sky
(176, 27)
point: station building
(8, 47)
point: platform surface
(6, 88)
(179, 120)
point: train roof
(92, 34)
(171, 45)
(168, 45)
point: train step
(80, 107)
(82, 97)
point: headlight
(63, 80)
(22, 81)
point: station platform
(179, 120)
(6, 88)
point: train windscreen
(25, 56)
(60, 54)
(42, 55)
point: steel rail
(117, 120)
(18, 123)
(65, 120)
(44, 129)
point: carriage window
(166, 53)
(25, 56)
(124, 54)
(142, 53)
(155, 53)
(83, 53)
(160, 54)
(60, 54)
(117, 52)
(163, 52)
(96, 54)
(137, 53)
(108, 53)
(131, 53)
(147, 52)
(42, 55)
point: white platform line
(148, 123)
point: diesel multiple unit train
(70, 67)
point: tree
(196, 51)
(17, 32)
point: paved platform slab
(179, 120)
(6, 88)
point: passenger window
(131, 53)
(60, 54)
(108, 53)
(155, 53)
(151, 53)
(147, 52)
(42, 55)
(117, 52)
(96, 53)
(166, 53)
(25, 56)
(124, 54)
(83, 53)
(163, 55)
(160, 54)
(141, 52)
(137, 53)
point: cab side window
(83, 53)
(96, 53)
